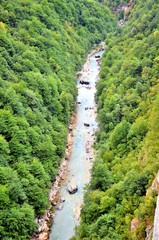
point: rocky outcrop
(152, 230)
(156, 221)
(155, 186)
(149, 232)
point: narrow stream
(82, 155)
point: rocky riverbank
(45, 220)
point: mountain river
(67, 213)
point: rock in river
(72, 189)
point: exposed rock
(134, 224)
(88, 88)
(156, 221)
(43, 236)
(149, 232)
(72, 189)
(62, 200)
(54, 203)
(87, 150)
(97, 56)
(155, 186)
(70, 129)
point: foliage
(127, 142)
(42, 45)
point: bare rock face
(155, 186)
(149, 232)
(134, 224)
(156, 221)
(72, 189)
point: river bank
(56, 200)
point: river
(82, 154)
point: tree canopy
(127, 141)
(42, 45)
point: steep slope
(117, 203)
(42, 44)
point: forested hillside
(118, 204)
(42, 45)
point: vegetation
(127, 143)
(42, 44)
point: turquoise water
(82, 155)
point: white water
(82, 155)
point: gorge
(43, 44)
(82, 155)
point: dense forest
(120, 192)
(42, 45)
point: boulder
(62, 200)
(70, 129)
(72, 189)
(54, 203)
